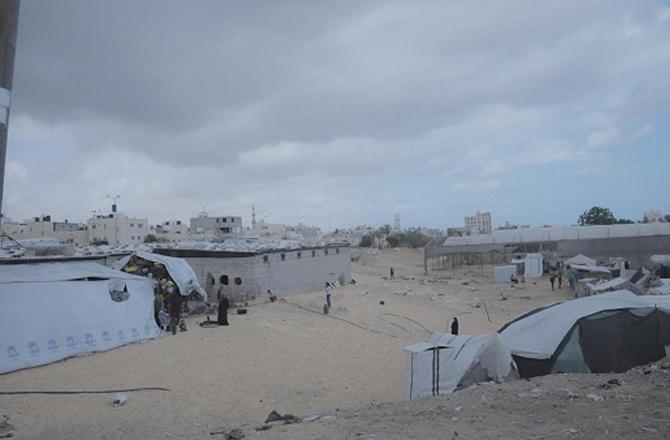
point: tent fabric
(593, 269)
(503, 274)
(178, 269)
(447, 363)
(661, 288)
(581, 260)
(533, 267)
(614, 285)
(52, 311)
(58, 271)
(610, 332)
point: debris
(235, 434)
(273, 417)
(6, 428)
(648, 429)
(595, 397)
(610, 383)
(381, 303)
(466, 283)
(241, 311)
(263, 428)
(120, 399)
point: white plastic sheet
(46, 317)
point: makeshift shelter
(503, 274)
(447, 363)
(533, 267)
(611, 332)
(52, 311)
(581, 260)
(659, 265)
(660, 286)
(165, 270)
(612, 286)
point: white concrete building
(479, 223)
(210, 228)
(117, 228)
(173, 230)
(44, 227)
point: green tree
(395, 240)
(366, 241)
(597, 216)
(624, 221)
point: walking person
(329, 292)
(454, 326)
(559, 274)
(158, 306)
(175, 311)
(222, 318)
(552, 279)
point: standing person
(175, 311)
(559, 274)
(552, 279)
(222, 318)
(158, 306)
(329, 291)
(454, 326)
(391, 272)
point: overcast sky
(341, 113)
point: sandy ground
(290, 357)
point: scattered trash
(288, 419)
(648, 429)
(381, 303)
(241, 311)
(120, 399)
(610, 383)
(319, 416)
(263, 428)
(595, 397)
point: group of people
(556, 274)
(174, 305)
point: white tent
(52, 311)
(178, 269)
(601, 333)
(447, 362)
(533, 267)
(581, 260)
(503, 274)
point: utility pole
(9, 20)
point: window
(266, 259)
(313, 253)
(224, 279)
(238, 281)
(283, 257)
(225, 220)
(337, 251)
(140, 225)
(299, 255)
(325, 252)
(132, 225)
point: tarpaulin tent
(611, 332)
(581, 260)
(178, 269)
(447, 363)
(533, 266)
(503, 274)
(52, 311)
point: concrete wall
(634, 249)
(293, 274)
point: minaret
(253, 218)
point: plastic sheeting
(503, 274)
(533, 267)
(538, 335)
(52, 311)
(581, 260)
(180, 271)
(448, 362)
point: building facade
(117, 228)
(479, 223)
(44, 227)
(172, 230)
(210, 228)
(245, 276)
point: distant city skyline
(340, 115)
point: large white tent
(52, 311)
(610, 332)
(447, 363)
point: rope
(341, 319)
(126, 390)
